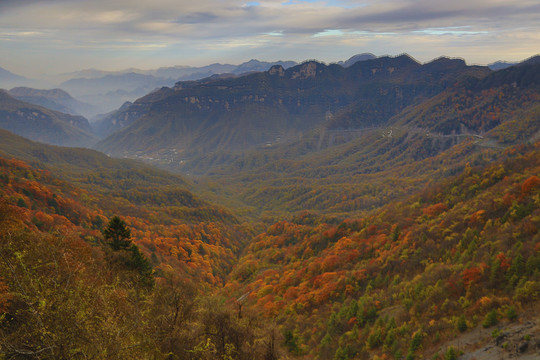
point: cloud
(285, 28)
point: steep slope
(79, 189)
(44, 125)
(504, 105)
(128, 113)
(109, 90)
(66, 292)
(77, 165)
(399, 91)
(408, 277)
(343, 170)
(54, 99)
(112, 90)
(276, 106)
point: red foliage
(531, 183)
(5, 296)
(435, 209)
(508, 199)
(472, 275)
(503, 261)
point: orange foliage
(477, 218)
(435, 209)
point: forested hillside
(66, 293)
(405, 225)
(408, 277)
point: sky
(39, 37)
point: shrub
(490, 319)
(451, 353)
(462, 324)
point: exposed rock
(521, 348)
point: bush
(462, 324)
(451, 353)
(490, 319)
(511, 313)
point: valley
(372, 209)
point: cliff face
(242, 112)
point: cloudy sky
(55, 36)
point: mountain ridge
(54, 99)
(301, 97)
(42, 124)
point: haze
(58, 36)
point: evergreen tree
(137, 261)
(118, 234)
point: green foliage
(511, 313)
(462, 323)
(451, 353)
(375, 338)
(138, 262)
(416, 341)
(290, 340)
(491, 319)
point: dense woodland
(389, 244)
(403, 279)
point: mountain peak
(446, 63)
(277, 70)
(531, 61)
(52, 93)
(356, 58)
(305, 70)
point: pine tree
(118, 234)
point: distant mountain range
(54, 99)
(276, 106)
(244, 108)
(109, 90)
(44, 125)
(9, 79)
(499, 65)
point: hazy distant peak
(8, 75)
(499, 65)
(52, 93)
(356, 58)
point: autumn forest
(395, 219)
